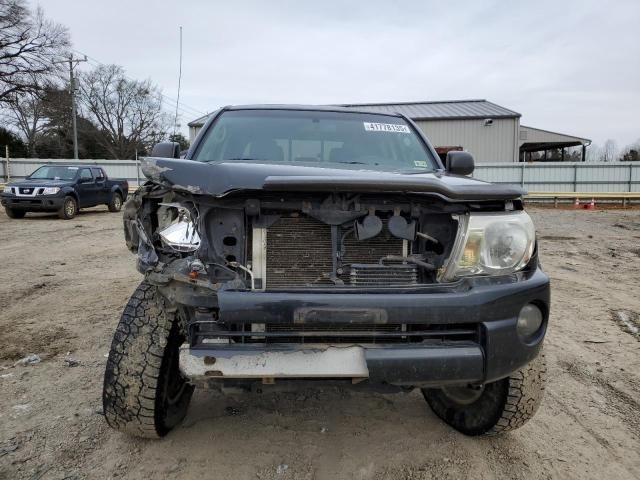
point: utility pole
(72, 90)
(7, 173)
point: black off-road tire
(115, 204)
(144, 393)
(69, 208)
(499, 407)
(11, 213)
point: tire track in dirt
(622, 404)
(628, 321)
(42, 287)
(603, 442)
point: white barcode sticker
(386, 127)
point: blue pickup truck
(63, 189)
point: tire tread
(526, 389)
(504, 405)
(133, 367)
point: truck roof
(312, 108)
(71, 165)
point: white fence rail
(19, 168)
(534, 177)
(564, 176)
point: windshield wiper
(417, 172)
(247, 158)
(358, 163)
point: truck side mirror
(460, 163)
(166, 150)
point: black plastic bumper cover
(492, 303)
(420, 366)
(40, 203)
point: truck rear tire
(69, 208)
(11, 213)
(115, 204)
(144, 392)
(494, 408)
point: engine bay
(281, 241)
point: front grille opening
(337, 333)
(299, 254)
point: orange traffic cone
(591, 205)
(576, 203)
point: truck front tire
(69, 208)
(11, 213)
(144, 392)
(115, 204)
(494, 408)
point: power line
(183, 107)
(96, 62)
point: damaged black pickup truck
(298, 245)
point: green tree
(181, 140)
(17, 148)
(55, 140)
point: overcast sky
(567, 66)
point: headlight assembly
(6, 189)
(181, 235)
(50, 190)
(491, 244)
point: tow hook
(196, 268)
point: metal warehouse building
(490, 132)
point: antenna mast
(175, 122)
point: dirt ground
(64, 283)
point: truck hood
(220, 179)
(40, 183)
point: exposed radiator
(298, 254)
(372, 275)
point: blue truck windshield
(54, 172)
(318, 138)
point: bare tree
(609, 151)
(129, 113)
(594, 153)
(27, 113)
(29, 46)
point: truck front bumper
(489, 305)
(38, 203)
(397, 365)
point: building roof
(437, 110)
(535, 139)
(441, 110)
(200, 121)
(549, 135)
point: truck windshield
(332, 139)
(54, 172)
